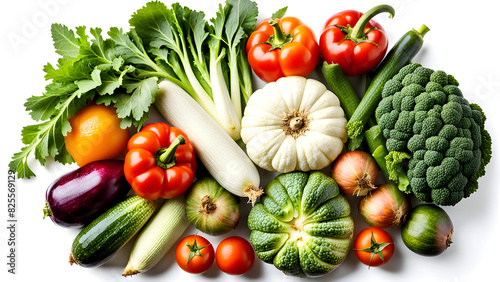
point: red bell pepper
(160, 162)
(282, 47)
(354, 41)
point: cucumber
(105, 235)
(400, 55)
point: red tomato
(234, 255)
(373, 246)
(194, 254)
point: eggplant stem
(46, 210)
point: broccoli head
(424, 116)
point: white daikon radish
(224, 159)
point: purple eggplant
(78, 197)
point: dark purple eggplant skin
(78, 197)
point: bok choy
(205, 58)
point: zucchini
(158, 236)
(342, 87)
(400, 55)
(105, 235)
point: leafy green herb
(87, 70)
(124, 70)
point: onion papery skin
(428, 230)
(385, 207)
(355, 172)
(210, 208)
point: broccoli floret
(426, 119)
(393, 159)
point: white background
(463, 41)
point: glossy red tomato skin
(234, 255)
(198, 264)
(363, 241)
(354, 59)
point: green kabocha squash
(302, 224)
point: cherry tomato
(194, 254)
(373, 246)
(234, 255)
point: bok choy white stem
(183, 44)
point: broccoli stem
(376, 144)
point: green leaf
(198, 29)
(147, 21)
(129, 51)
(19, 163)
(152, 24)
(43, 107)
(64, 157)
(243, 14)
(87, 85)
(100, 46)
(138, 102)
(110, 83)
(64, 41)
(279, 14)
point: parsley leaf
(90, 68)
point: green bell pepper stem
(165, 157)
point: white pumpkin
(293, 124)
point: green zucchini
(104, 236)
(341, 86)
(400, 55)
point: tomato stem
(375, 248)
(165, 157)
(358, 32)
(194, 250)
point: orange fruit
(95, 135)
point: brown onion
(355, 172)
(385, 207)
